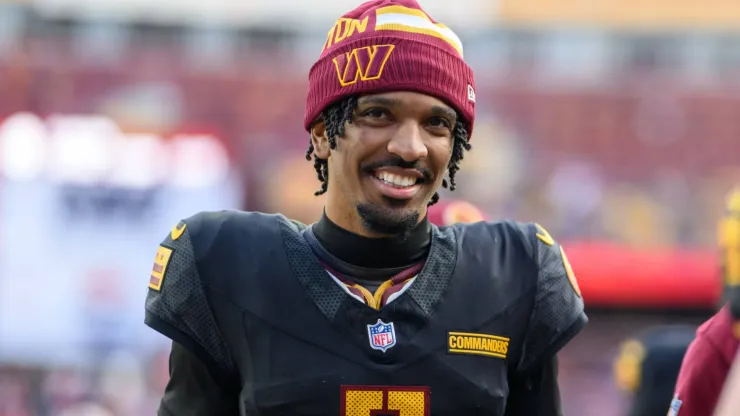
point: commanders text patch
(164, 254)
(477, 344)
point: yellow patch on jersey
(177, 230)
(161, 261)
(477, 344)
(628, 365)
(569, 272)
(544, 236)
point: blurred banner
(281, 14)
(619, 276)
(628, 14)
(83, 207)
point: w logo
(363, 64)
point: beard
(383, 219)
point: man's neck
(362, 251)
(339, 215)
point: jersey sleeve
(700, 381)
(193, 389)
(536, 394)
(557, 315)
(177, 305)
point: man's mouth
(396, 183)
(396, 180)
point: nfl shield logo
(382, 335)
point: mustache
(398, 162)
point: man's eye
(439, 122)
(374, 113)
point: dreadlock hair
(336, 115)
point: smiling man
(372, 310)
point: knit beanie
(390, 45)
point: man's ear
(320, 140)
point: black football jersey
(245, 293)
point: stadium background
(615, 124)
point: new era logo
(471, 93)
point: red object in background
(451, 212)
(613, 275)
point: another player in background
(372, 310)
(647, 367)
(711, 354)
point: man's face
(389, 163)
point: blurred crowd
(120, 385)
(643, 156)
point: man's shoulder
(501, 226)
(718, 331)
(522, 236)
(220, 245)
(502, 250)
(213, 227)
(719, 326)
(226, 220)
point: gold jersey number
(382, 400)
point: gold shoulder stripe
(177, 230)
(544, 236)
(569, 272)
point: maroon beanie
(390, 45)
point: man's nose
(407, 143)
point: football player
(647, 367)
(372, 310)
(711, 354)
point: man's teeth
(396, 180)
